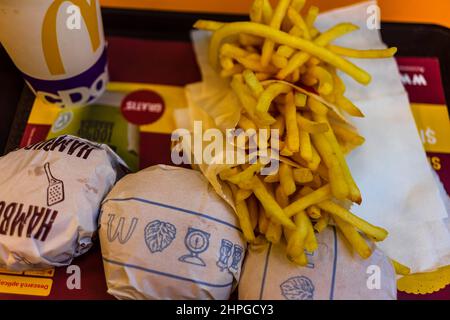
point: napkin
(397, 184)
(391, 169)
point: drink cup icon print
(55, 189)
(226, 247)
(196, 241)
(229, 250)
(237, 256)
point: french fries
(269, 60)
(256, 11)
(306, 151)
(400, 268)
(287, 182)
(292, 133)
(354, 238)
(311, 126)
(304, 202)
(322, 222)
(302, 175)
(275, 23)
(339, 186)
(362, 54)
(243, 216)
(355, 194)
(253, 83)
(271, 207)
(252, 205)
(296, 238)
(311, 243)
(243, 194)
(263, 221)
(246, 174)
(377, 233)
(300, 100)
(269, 94)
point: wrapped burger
(166, 234)
(50, 197)
(333, 273)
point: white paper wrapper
(333, 273)
(50, 196)
(391, 169)
(166, 234)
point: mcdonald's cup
(58, 46)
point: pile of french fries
(284, 72)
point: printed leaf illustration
(159, 235)
(297, 288)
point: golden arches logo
(50, 37)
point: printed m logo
(50, 36)
(118, 232)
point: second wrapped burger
(166, 234)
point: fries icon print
(55, 189)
